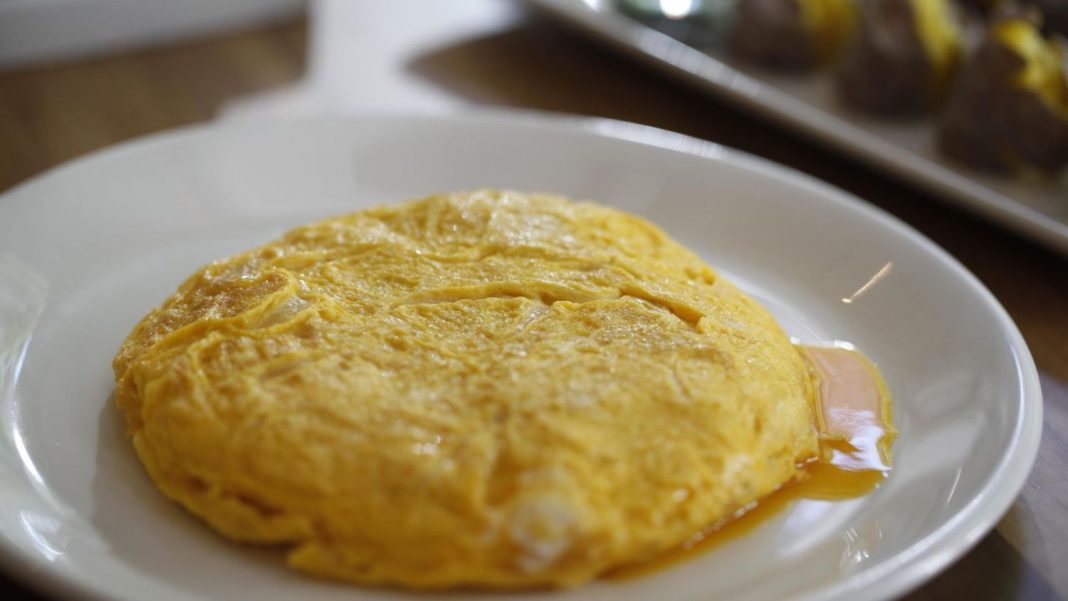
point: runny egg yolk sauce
(856, 432)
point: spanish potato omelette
(488, 389)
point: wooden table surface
(54, 113)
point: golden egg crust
(488, 389)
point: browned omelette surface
(489, 388)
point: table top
(51, 114)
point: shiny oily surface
(855, 419)
(110, 235)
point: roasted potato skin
(983, 7)
(887, 71)
(1054, 12)
(771, 33)
(992, 123)
(1054, 16)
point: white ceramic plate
(112, 234)
(808, 104)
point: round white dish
(109, 236)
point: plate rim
(891, 578)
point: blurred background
(80, 75)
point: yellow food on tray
(491, 389)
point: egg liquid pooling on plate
(485, 389)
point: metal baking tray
(1037, 208)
